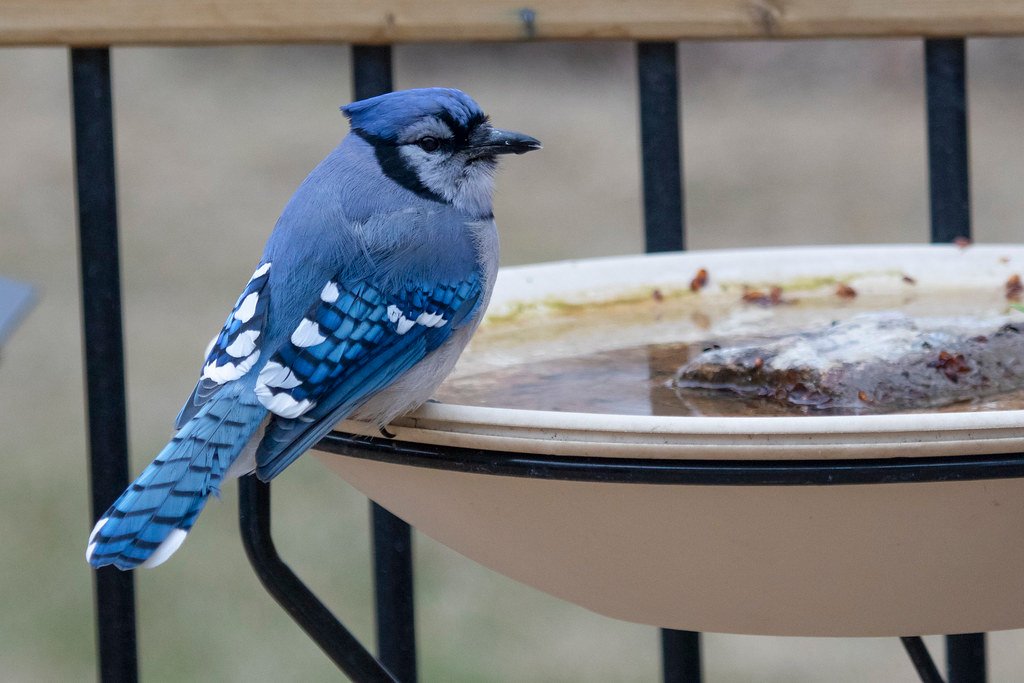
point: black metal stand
(922, 661)
(965, 658)
(392, 570)
(680, 656)
(281, 582)
(671, 472)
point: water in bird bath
(621, 356)
(638, 381)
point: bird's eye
(428, 144)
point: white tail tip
(92, 536)
(165, 549)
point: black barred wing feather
(236, 349)
(354, 342)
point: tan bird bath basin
(783, 523)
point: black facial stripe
(395, 167)
(461, 132)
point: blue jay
(374, 278)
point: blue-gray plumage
(370, 285)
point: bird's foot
(385, 433)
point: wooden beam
(137, 22)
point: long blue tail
(152, 517)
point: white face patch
(466, 184)
(425, 128)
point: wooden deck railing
(181, 22)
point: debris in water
(756, 296)
(699, 281)
(1014, 288)
(952, 365)
(845, 291)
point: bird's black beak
(487, 141)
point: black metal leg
(392, 538)
(680, 656)
(316, 620)
(660, 133)
(922, 660)
(965, 658)
(104, 346)
(392, 562)
(948, 168)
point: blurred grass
(784, 143)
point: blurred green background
(791, 142)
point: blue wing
(236, 349)
(355, 341)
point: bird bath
(613, 493)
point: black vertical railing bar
(965, 658)
(948, 149)
(372, 75)
(950, 203)
(96, 194)
(372, 71)
(664, 230)
(922, 661)
(680, 656)
(292, 594)
(660, 147)
(393, 583)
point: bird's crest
(385, 116)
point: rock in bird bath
(877, 361)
